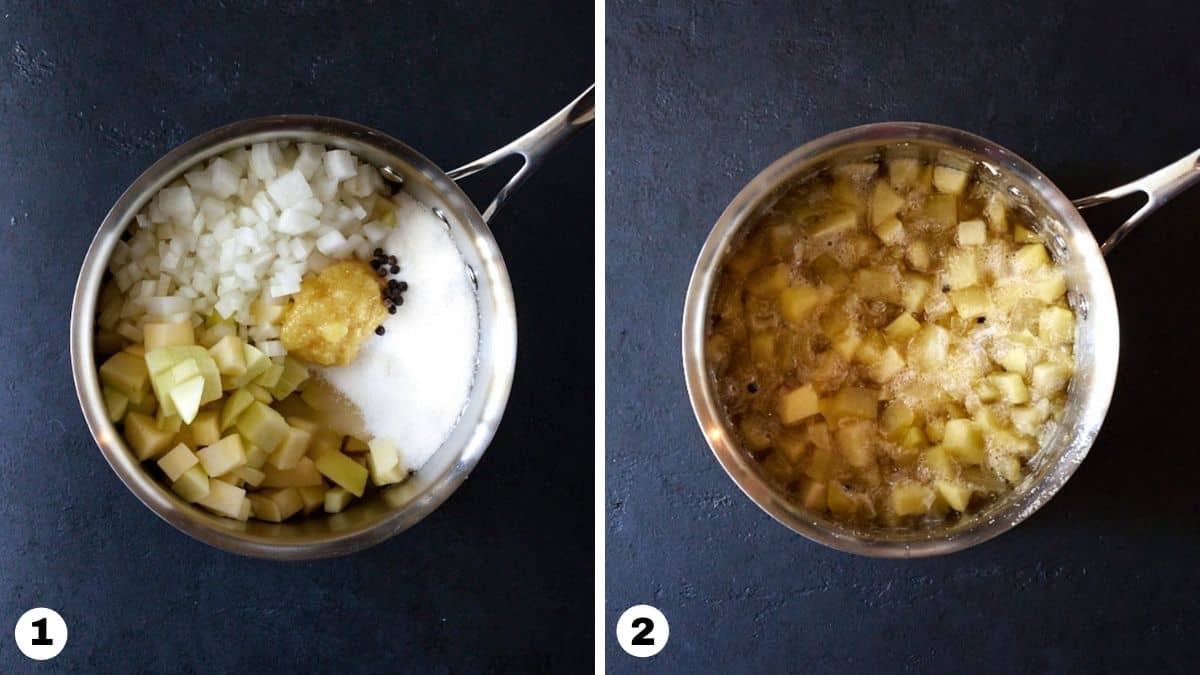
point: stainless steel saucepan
(1069, 241)
(401, 506)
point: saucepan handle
(1159, 187)
(534, 146)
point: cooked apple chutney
(890, 341)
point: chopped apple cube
(798, 404)
(384, 463)
(886, 366)
(276, 506)
(294, 374)
(820, 464)
(941, 210)
(939, 463)
(1008, 468)
(1010, 387)
(1050, 285)
(256, 364)
(914, 290)
(230, 356)
(204, 429)
(911, 499)
(890, 231)
(902, 328)
(355, 445)
(303, 474)
(762, 348)
(918, 256)
(769, 280)
(914, 439)
(125, 372)
(1030, 258)
(796, 303)
(1015, 360)
(1049, 378)
(1024, 235)
(964, 440)
(144, 436)
(836, 223)
(313, 497)
(927, 349)
(157, 335)
(885, 203)
(291, 449)
(177, 461)
(336, 500)
(323, 441)
(262, 426)
(856, 442)
(1056, 325)
(962, 270)
(115, 403)
(950, 180)
(249, 475)
(877, 283)
(957, 495)
(259, 393)
(996, 214)
(343, 471)
(903, 172)
(1026, 419)
(256, 457)
(854, 402)
(840, 501)
(813, 495)
(896, 420)
(234, 406)
(270, 377)
(185, 397)
(192, 485)
(223, 456)
(223, 499)
(971, 233)
(971, 303)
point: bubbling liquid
(891, 340)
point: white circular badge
(41, 633)
(642, 631)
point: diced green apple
(950, 180)
(911, 499)
(1011, 388)
(1030, 258)
(384, 463)
(971, 303)
(837, 223)
(884, 203)
(192, 485)
(964, 439)
(259, 393)
(957, 495)
(270, 376)
(144, 436)
(204, 429)
(890, 231)
(176, 462)
(313, 497)
(902, 328)
(223, 456)
(230, 356)
(1056, 325)
(249, 475)
(115, 403)
(157, 335)
(903, 172)
(124, 372)
(971, 233)
(262, 426)
(235, 404)
(337, 499)
(291, 449)
(185, 397)
(294, 374)
(223, 499)
(303, 474)
(256, 364)
(796, 303)
(1049, 378)
(343, 471)
(798, 404)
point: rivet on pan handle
(534, 146)
(1160, 187)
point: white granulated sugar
(412, 383)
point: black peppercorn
(381, 272)
(403, 285)
(379, 330)
(395, 269)
(378, 253)
(391, 309)
(375, 264)
(392, 283)
(391, 259)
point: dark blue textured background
(89, 97)
(701, 96)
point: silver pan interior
(1089, 288)
(391, 510)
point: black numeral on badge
(41, 640)
(643, 638)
